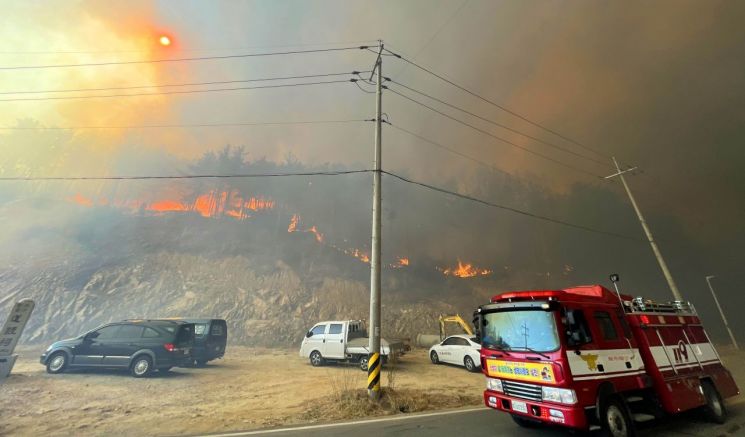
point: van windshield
(520, 330)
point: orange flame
(213, 204)
(293, 223)
(465, 271)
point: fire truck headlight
(494, 384)
(559, 395)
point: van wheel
(200, 363)
(714, 409)
(524, 422)
(164, 369)
(57, 363)
(142, 366)
(434, 358)
(616, 420)
(470, 366)
(316, 359)
(363, 363)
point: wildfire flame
(465, 271)
(212, 204)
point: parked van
(210, 339)
(141, 346)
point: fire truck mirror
(614, 277)
(477, 320)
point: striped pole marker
(373, 375)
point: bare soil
(250, 388)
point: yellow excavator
(457, 319)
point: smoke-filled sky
(660, 85)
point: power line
(556, 146)
(548, 158)
(503, 108)
(201, 58)
(207, 49)
(204, 176)
(508, 208)
(160, 93)
(166, 126)
(219, 82)
(479, 161)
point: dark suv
(138, 345)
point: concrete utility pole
(374, 363)
(655, 249)
(721, 312)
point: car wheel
(316, 359)
(142, 366)
(200, 363)
(165, 369)
(57, 363)
(434, 357)
(363, 363)
(468, 362)
(616, 420)
(714, 409)
(524, 422)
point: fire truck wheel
(616, 420)
(525, 423)
(714, 408)
(435, 359)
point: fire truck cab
(585, 357)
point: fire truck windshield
(520, 329)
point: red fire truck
(586, 357)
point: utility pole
(721, 312)
(373, 362)
(655, 249)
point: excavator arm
(457, 319)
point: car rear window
(218, 329)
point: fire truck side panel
(679, 355)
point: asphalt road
(485, 422)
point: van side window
(335, 328)
(318, 330)
(605, 322)
(107, 332)
(129, 331)
(150, 333)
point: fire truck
(586, 357)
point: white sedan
(463, 350)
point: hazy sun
(165, 41)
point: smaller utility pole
(655, 249)
(721, 312)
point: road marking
(356, 422)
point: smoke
(660, 88)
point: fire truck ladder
(647, 306)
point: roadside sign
(11, 333)
(14, 325)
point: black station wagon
(142, 346)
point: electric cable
(200, 58)
(508, 208)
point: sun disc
(165, 41)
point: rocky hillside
(267, 306)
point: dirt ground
(250, 388)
